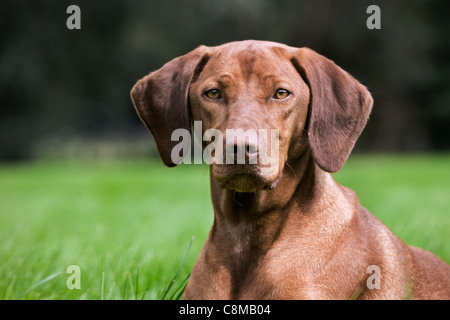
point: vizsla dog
(293, 232)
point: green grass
(128, 225)
(132, 221)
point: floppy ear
(161, 99)
(339, 108)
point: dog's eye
(213, 94)
(281, 94)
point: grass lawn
(128, 224)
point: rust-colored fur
(294, 233)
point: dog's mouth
(243, 183)
(245, 178)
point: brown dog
(293, 233)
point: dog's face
(253, 88)
(278, 102)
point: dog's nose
(242, 147)
(250, 148)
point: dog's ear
(339, 108)
(161, 99)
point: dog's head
(261, 104)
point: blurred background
(80, 180)
(65, 93)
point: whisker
(289, 166)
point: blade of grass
(50, 277)
(103, 285)
(166, 291)
(130, 281)
(125, 284)
(137, 284)
(9, 288)
(181, 289)
(145, 292)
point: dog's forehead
(250, 46)
(249, 57)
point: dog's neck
(250, 223)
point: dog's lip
(224, 177)
(223, 173)
(243, 182)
